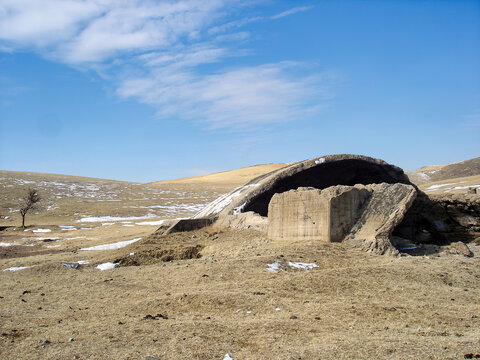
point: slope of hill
(226, 178)
(436, 173)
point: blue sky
(145, 90)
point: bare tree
(29, 202)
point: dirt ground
(351, 306)
(208, 293)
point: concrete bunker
(385, 214)
(347, 171)
(319, 173)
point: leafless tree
(29, 202)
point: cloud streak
(292, 11)
(156, 51)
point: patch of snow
(113, 218)
(75, 237)
(16, 268)
(83, 262)
(274, 267)
(320, 161)
(52, 246)
(239, 209)
(278, 309)
(466, 187)
(106, 266)
(437, 186)
(219, 204)
(114, 246)
(302, 265)
(107, 224)
(128, 225)
(41, 230)
(423, 176)
(8, 244)
(227, 357)
(158, 222)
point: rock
(240, 221)
(460, 248)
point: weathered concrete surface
(320, 173)
(380, 215)
(189, 225)
(241, 221)
(312, 214)
(364, 216)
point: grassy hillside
(231, 178)
(436, 173)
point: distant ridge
(226, 178)
(435, 173)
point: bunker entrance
(343, 172)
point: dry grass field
(231, 178)
(211, 292)
(452, 186)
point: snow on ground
(276, 266)
(16, 268)
(83, 262)
(444, 187)
(466, 187)
(157, 222)
(302, 265)
(437, 186)
(117, 245)
(8, 244)
(113, 218)
(106, 266)
(41, 230)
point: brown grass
(231, 178)
(352, 306)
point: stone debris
(460, 248)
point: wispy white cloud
(239, 98)
(292, 11)
(155, 51)
(78, 31)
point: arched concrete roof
(321, 172)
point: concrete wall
(312, 214)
